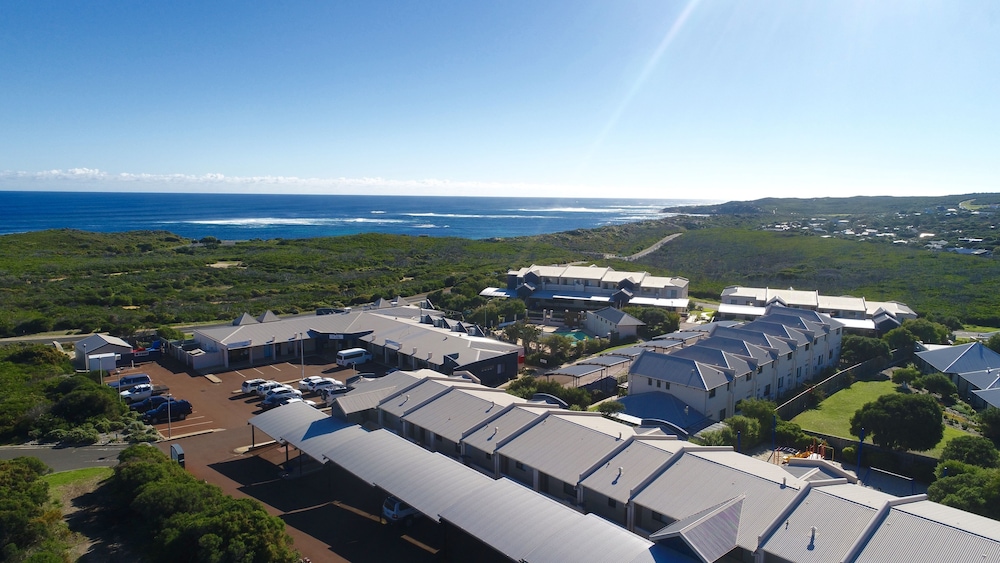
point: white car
(308, 384)
(288, 400)
(325, 383)
(137, 393)
(282, 390)
(263, 388)
(250, 385)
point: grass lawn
(834, 414)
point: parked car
(281, 390)
(329, 393)
(176, 410)
(308, 383)
(250, 385)
(274, 399)
(148, 404)
(288, 400)
(263, 388)
(137, 393)
(129, 381)
(395, 510)
(325, 383)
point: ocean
(257, 216)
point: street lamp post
(169, 426)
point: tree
(611, 407)
(976, 491)
(900, 339)
(989, 424)
(973, 450)
(928, 332)
(994, 342)
(906, 375)
(940, 384)
(169, 333)
(760, 410)
(898, 421)
(855, 349)
(658, 321)
(747, 428)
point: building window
(767, 390)
(666, 385)
(499, 368)
(569, 489)
(489, 457)
(658, 383)
(650, 379)
(789, 356)
(722, 414)
(798, 372)
(831, 354)
(612, 503)
(659, 518)
(519, 466)
(749, 376)
(781, 382)
(760, 369)
(807, 346)
(711, 393)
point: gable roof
(458, 411)
(634, 464)
(710, 533)
(617, 317)
(565, 445)
(679, 370)
(960, 359)
(96, 341)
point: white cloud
(91, 179)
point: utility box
(177, 454)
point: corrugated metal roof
(411, 398)
(354, 401)
(576, 370)
(427, 481)
(694, 483)
(640, 459)
(517, 519)
(509, 423)
(566, 446)
(316, 445)
(287, 421)
(590, 539)
(927, 531)
(606, 361)
(460, 410)
(839, 521)
(710, 533)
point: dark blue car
(148, 403)
(176, 410)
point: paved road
(64, 459)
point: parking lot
(330, 514)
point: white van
(353, 356)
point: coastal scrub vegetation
(186, 519)
(42, 402)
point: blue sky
(654, 99)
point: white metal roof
(286, 423)
(427, 481)
(695, 482)
(566, 446)
(488, 437)
(928, 531)
(838, 520)
(590, 539)
(411, 398)
(640, 459)
(460, 410)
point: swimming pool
(576, 334)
